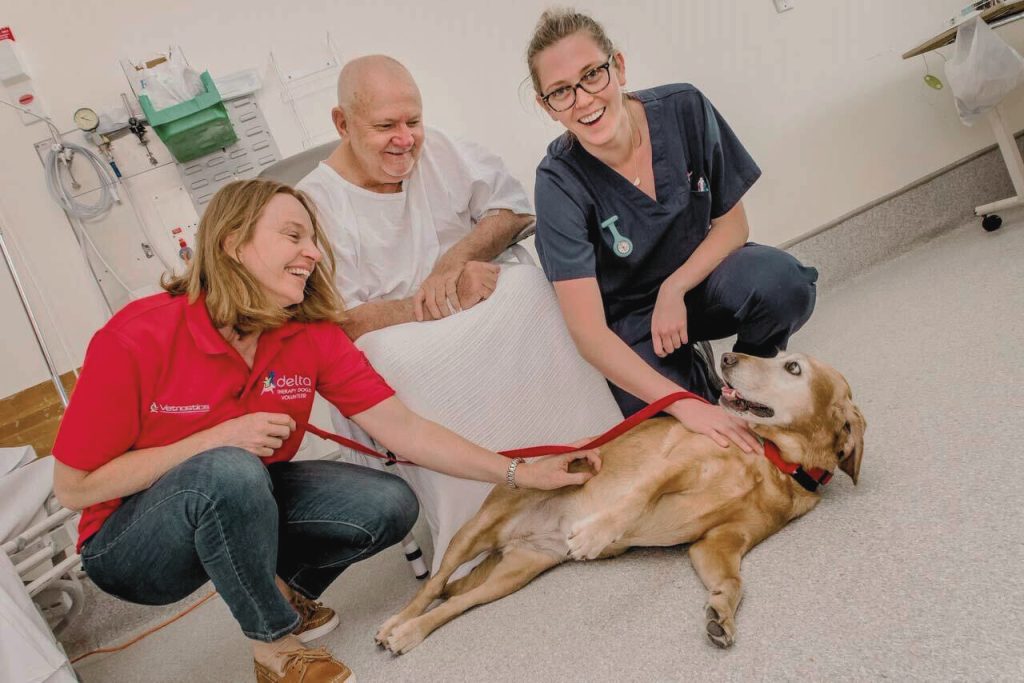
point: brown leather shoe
(307, 666)
(317, 620)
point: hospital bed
(504, 374)
(40, 572)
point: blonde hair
(558, 23)
(233, 296)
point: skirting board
(896, 223)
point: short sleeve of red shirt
(346, 378)
(102, 420)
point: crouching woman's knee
(786, 287)
(396, 507)
(227, 475)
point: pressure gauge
(86, 119)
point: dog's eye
(793, 368)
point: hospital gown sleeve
(102, 421)
(561, 238)
(730, 169)
(491, 186)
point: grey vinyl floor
(915, 574)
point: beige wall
(819, 95)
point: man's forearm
(377, 315)
(491, 236)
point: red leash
(533, 451)
(809, 479)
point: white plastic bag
(983, 70)
(171, 82)
(238, 84)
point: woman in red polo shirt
(178, 441)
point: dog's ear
(850, 439)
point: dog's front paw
(587, 539)
(721, 631)
(385, 630)
(405, 637)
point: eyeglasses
(593, 82)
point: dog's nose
(729, 360)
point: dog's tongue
(730, 393)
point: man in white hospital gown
(414, 216)
(415, 220)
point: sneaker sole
(322, 630)
(706, 354)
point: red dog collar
(810, 479)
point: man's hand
(668, 323)
(477, 282)
(438, 295)
(450, 290)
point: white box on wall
(14, 75)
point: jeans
(761, 294)
(224, 516)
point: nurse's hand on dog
(668, 322)
(716, 424)
(556, 471)
(259, 433)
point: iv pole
(40, 340)
(54, 374)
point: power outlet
(783, 5)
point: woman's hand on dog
(716, 424)
(554, 472)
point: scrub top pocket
(694, 221)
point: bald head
(379, 118)
(368, 80)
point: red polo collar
(210, 341)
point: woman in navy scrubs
(641, 228)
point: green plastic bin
(193, 128)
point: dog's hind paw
(588, 539)
(720, 631)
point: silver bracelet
(510, 475)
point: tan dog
(660, 485)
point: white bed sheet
(504, 374)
